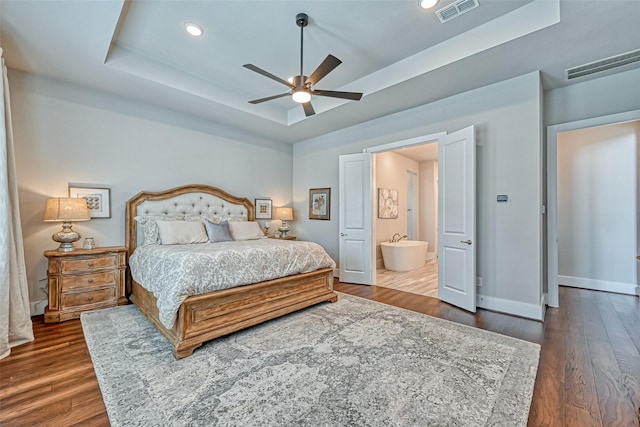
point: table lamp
(284, 214)
(65, 210)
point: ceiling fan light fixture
(193, 29)
(301, 96)
(428, 4)
(302, 86)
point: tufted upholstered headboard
(193, 199)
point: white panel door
(356, 231)
(456, 212)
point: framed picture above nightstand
(263, 208)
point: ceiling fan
(301, 85)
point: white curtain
(15, 316)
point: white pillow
(181, 232)
(245, 230)
(148, 229)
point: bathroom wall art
(387, 203)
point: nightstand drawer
(88, 264)
(85, 298)
(88, 280)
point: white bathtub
(404, 255)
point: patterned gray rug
(352, 363)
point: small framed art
(263, 208)
(387, 203)
(320, 203)
(98, 199)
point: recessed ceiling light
(194, 29)
(428, 4)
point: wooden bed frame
(211, 315)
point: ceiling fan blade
(308, 109)
(267, 74)
(329, 63)
(268, 98)
(355, 96)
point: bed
(202, 317)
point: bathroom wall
(428, 188)
(391, 173)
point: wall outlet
(478, 281)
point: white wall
(66, 134)
(391, 173)
(507, 116)
(429, 204)
(603, 96)
(597, 201)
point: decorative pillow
(181, 232)
(217, 219)
(218, 232)
(245, 230)
(149, 229)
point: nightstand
(284, 238)
(84, 279)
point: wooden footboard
(208, 316)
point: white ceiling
(399, 55)
(420, 153)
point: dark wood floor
(589, 372)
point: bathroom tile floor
(422, 281)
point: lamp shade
(63, 209)
(284, 214)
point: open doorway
(411, 174)
(597, 207)
(592, 270)
(456, 182)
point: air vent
(603, 65)
(456, 9)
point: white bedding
(174, 272)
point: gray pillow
(218, 232)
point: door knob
(342, 234)
(468, 242)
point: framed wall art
(320, 203)
(98, 199)
(387, 203)
(263, 208)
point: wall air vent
(456, 9)
(603, 65)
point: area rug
(352, 363)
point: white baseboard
(599, 285)
(37, 307)
(530, 311)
